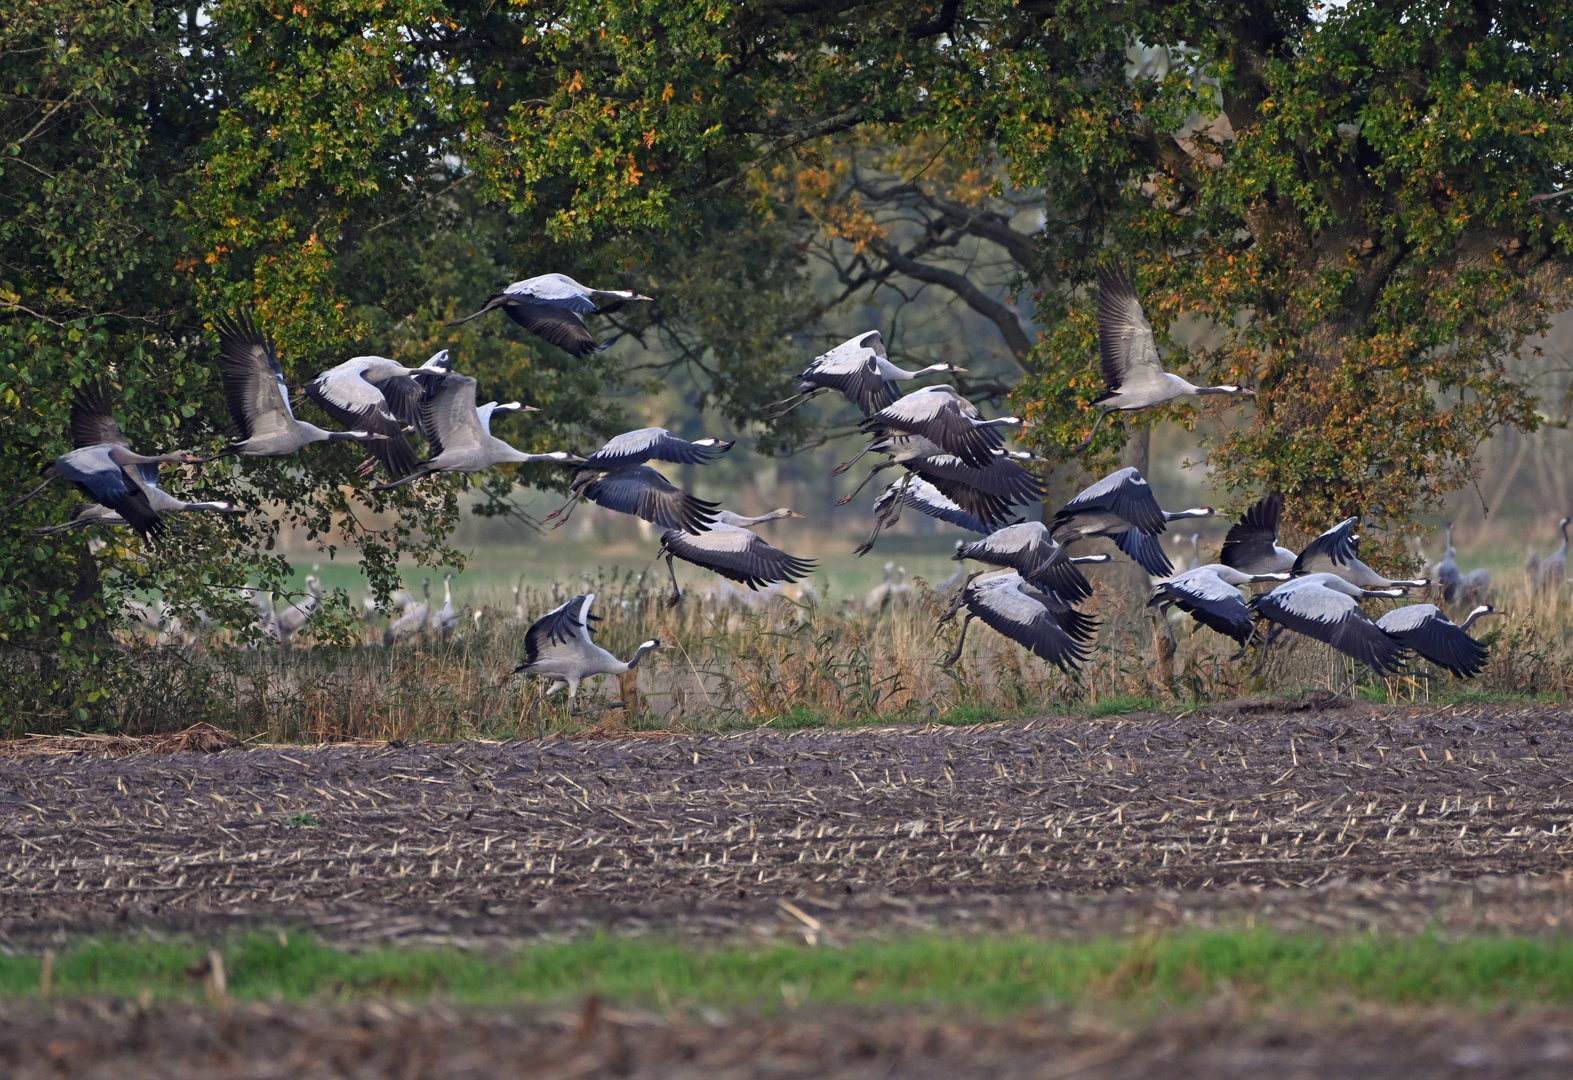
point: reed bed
(745, 661)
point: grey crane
(1459, 587)
(159, 500)
(1033, 618)
(552, 306)
(378, 395)
(1211, 595)
(941, 415)
(1121, 506)
(103, 462)
(1424, 629)
(987, 493)
(1553, 569)
(258, 399)
(558, 646)
(860, 369)
(637, 490)
(1133, 377)
(917, 493)
(83, 514)
(461, 438)
(728, 548)
(1042, 561)
(656, 444)
(1326, 607)
(1321, 556)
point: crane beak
(794, 514)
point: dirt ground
(1336, 816)
(125, 1042)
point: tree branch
(999, 314)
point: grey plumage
(728, 548)
(558, 646)
(1326, 607)
(860, 370)
(1427, 631)
(552, 307)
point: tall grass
(745, 661)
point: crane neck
(644, 647)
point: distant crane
(1459, 587)
(860, 369)
(412, 620)
(1132, 375)
(446, 618)
(1553, 569)
(558, 646)
(552, 306)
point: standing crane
(558, 646)
(859, 369)
(552, 306)
(1553, 569)
(1133, 377)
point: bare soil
(1334, 815)
(125, 1042)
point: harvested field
(374, 1040)
(1337, 816)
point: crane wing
(254, 387)
(1252, 540)
(1126, 347)
(936, 414)
(557, 325)
(1002, 606)
(1333, 618)
(924, 497)
(92, 421)
(559, 626)
(1146, 550)
(95, 473)
(736, 553)
(1123, 492)
(1336, 546)
(1424, 629)
(345, 395)
(449, 419)
(645, 493)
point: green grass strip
(990, 974)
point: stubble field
(1334, 817)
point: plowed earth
(373, 1040)
(1336, 815)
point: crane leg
(568, 507)
(875, 471)
(18, 502)
(1095, 426)
(950, 660)
(853, 460)
(677, 593)
(880, 524)
(791, 403)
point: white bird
(1424, 629)
(1326, 607)
(1133, 377)
(445, 618)
(941, 415)
(378, 395)
(1553, 569)
(461, 439)
(914, 491)
(258, 398)
(558, 646)
(412, 620)
(860, 369)
(1014, 608)
(1211, 595)
(728, 548)
(551, 307)
(103, 464)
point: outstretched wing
(657, 444)
(559, 626)
(92, 421)
(1252, 540)
(254, 387)
(345, 395)
(738, 554)
(645, 493)
(1123, 492)
(1126, 347)
(556, 325)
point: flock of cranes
(954, 466)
